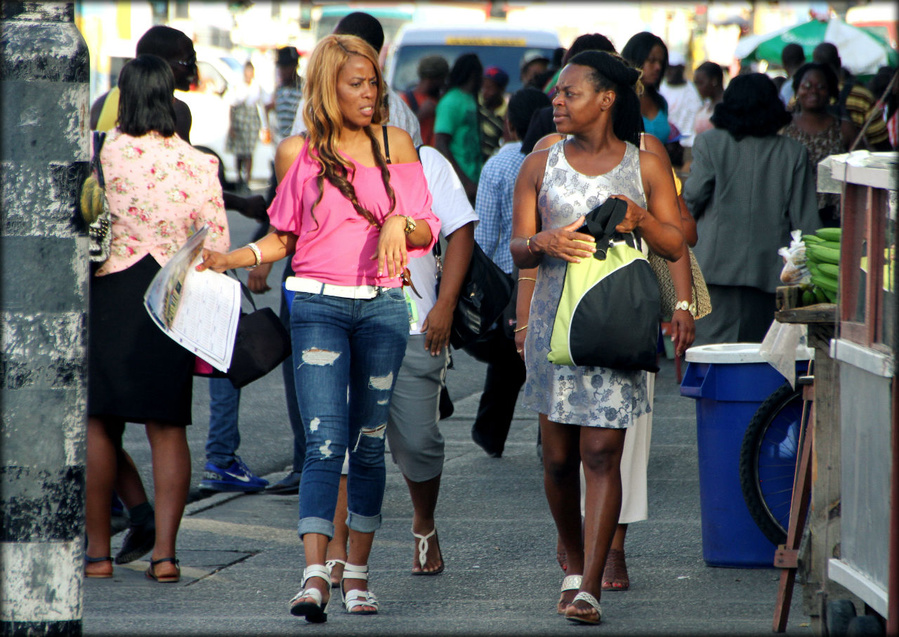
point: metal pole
(43, 255)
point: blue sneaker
(236, 477)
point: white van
(496, 44)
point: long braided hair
(324, 120)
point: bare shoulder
(289, 148)
(547, 140)
(651, 161)
(402, 148)
(534, 165)
(654, 145)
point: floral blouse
(160, 190)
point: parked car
(209, 106)
(497, 44)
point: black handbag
(260, 345)
(485, 293)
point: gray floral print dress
(587, 396)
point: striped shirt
(857, 106)
(287, 98)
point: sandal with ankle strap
(355, 597)
(98, 574)
(164, 579)
(587, 598)
(314, 611)
(569, 583)
(330, 564)
(423, 546)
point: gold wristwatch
(410, 225)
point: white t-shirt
(401, 116)
(452, 207)
(683, 104)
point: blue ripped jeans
(346, 355)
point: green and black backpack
(608, 314)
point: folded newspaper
(198, 310)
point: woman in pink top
(160, 191)
(352, 207)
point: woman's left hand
(437, 328)
(633, 217)
(392, 255)
(683, 331)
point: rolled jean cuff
(363, 524)
(315, 525)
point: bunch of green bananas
(822, 258)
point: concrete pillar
(44, 152)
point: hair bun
(611, 66)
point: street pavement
(242, 561)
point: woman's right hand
(215, 261)
(564, 243)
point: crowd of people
(366, 181)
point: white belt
(299, 284)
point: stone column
(44, 153)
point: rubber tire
(865, 626)
(767, 412)
(839, 613)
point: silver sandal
(581, 619)
(570, 583)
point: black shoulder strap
(386, 143)
(99, 138)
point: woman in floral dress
(584, 411)
(160, 191)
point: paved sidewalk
(242, 561)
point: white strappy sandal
(330, 564)
(570, 583)
(356, 598)
(581, 619)
(423, 546)
(314, 611)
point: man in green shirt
(456, 128)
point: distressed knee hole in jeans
(371, 432)
(314, 424)
(325, 450)
(375, 432)
(320, 357)
(381, 383)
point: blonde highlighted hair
(324, 120)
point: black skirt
(135, 372)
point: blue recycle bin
(729, 381)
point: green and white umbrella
(861, 51)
